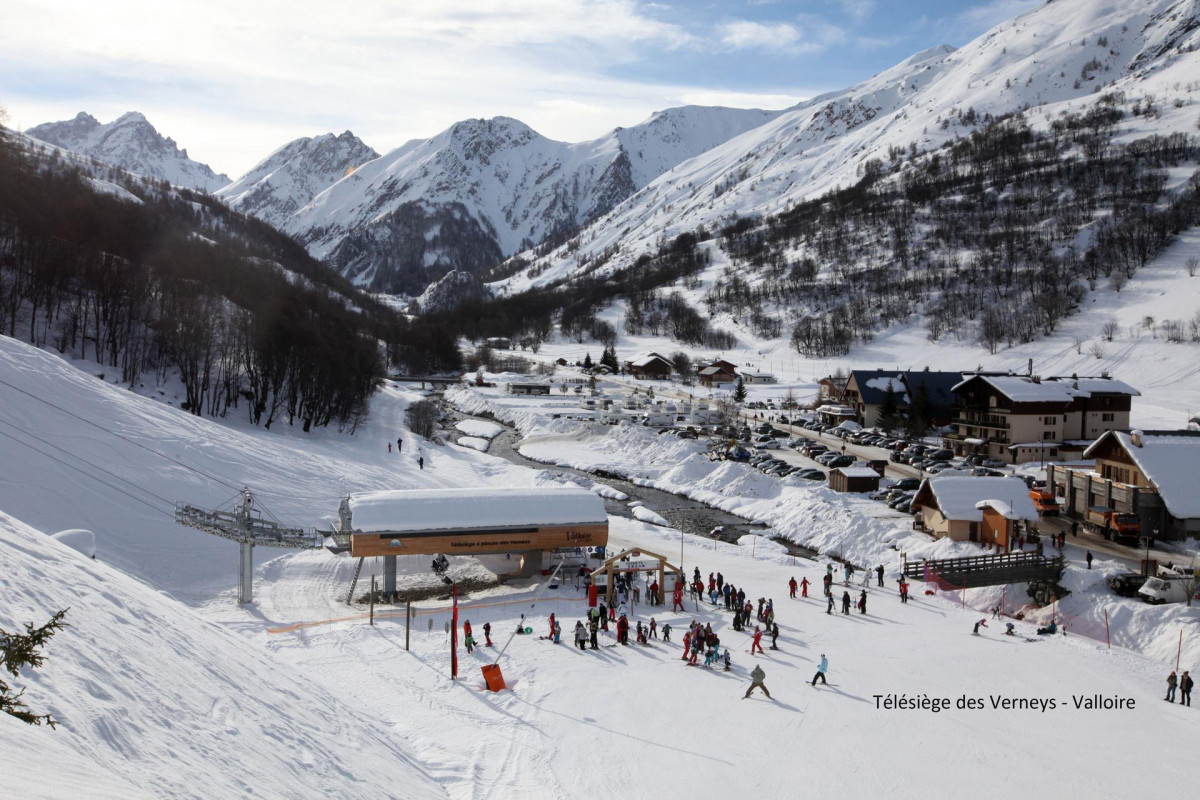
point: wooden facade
(478, 542)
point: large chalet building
(1017, 418)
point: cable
(122, 437)
(169, 515)
(85, 461)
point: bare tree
(1097, 350)
(1191, 265)
(1117, 280)
(1110, 330)
(421, 417)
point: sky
(233, 80)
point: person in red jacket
(551, 636)
(792, 587)
(757, 640)
(466, 629)
(687, 645)
(804, 587)
(677, 599)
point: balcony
(980, 423)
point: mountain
(476, 193)
(293, 175)
(131, 143)
(1062, 55)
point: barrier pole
(1107, 634)
(407, 619)
(1179, 650)
(372, 601)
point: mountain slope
(485, 189)
(1059, 55)
(289, 178)
(131, 143)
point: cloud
(858, 9)
(992, 13)
(813, 35)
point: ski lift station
(470, 522)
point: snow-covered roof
(411, 510)
(755, 374)
(1168, 460)
(960, 497)
(897, 384)
(857, 472)
(1004, 509)
(1023, 389)
(841, 411)
(645, 359)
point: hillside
(478, 192)
(131, 143)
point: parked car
(810, 474)
(907, 484)
(994, 462)
(903, 497)
(984, 472)
(826, 457)
(841, 461)
(797, 441)
(1127, 584)
(767, 444)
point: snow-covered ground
(164, 685)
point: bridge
(434, 381)
(990, 570)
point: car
(904, 506)
(826, 457)
(984, 472)
(901, 498)
(993, 463)
(757, 457)
(880, 496)
(841, 461)
(810, 474)
(938, 467)
(1127, 584)
(770, 444)
(907, 485)
(812, 451)
(797, 441)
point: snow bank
(148, 694)
(480, 428)
(644, 514)
(473, 442)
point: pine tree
(888, 415)
(739, 391)
(587, 361)
(19, 650)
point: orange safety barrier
(493, 677)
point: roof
(939, 387)
(873, 383)
(1004, 509)
(1024, 389)
(715, 370)
(857, 472)
(1168, 459)
(959, 497)
(411, 510)
(645, 359)
(756, 374)
(836, 410)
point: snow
(646, 515)
(480, 428)
(857, 472)
(444, 509)
(80, 540)
(959, 497)
(473, 442)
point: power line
(122, 437)
(135, 498)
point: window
(1047, 434)
(1049, 420)
(1107, 417)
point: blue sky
(232, 80)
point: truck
(1167, 589)
(1044, 502)
(1113, 525)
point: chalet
(499, 342)
(985, 510)
(1148, 473)
(562, 362)
(1020, 418)
(753, 377)
(865, 390)
(716, 375)
(831, 388)
(649, 365)
(723, 364)
(853, 479)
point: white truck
(1168, 589)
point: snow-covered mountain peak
(133, 144)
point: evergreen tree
(587, 361)
(19, 650)
(739, 391)
(888, 416)
(920, 413)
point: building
(650, 365)
(528, 388)
(830, 388)
(755, 377)
(716, 375)
(853, 479)
(499, 342)
(471, 522)
(1019, 418)
(865, 390)
(1152, 474)
(727, 366)
(985, 510)
(936, 390)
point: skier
(822, 668)
(792, 588)
(862, 602)
(389, 447)
(667, 632)
(756, 679)
(847, 570)
(1089, 559)
(981, 624)
(757, 641)
(421, 462)
(687, 645)
(903, 590)
(879, 573)
(466, 629)
(487, 633)
(1049, 630)
(727, 662)
(594, 632)
(653, 629)
(774, 637)
(557, 633)
(1172, 681)
(399, 445)
(581, 636)
(829, 597)
(469, 641)
(677, 599)
(623, 630)
(720, 582)
(1010, 629)
(804, 587)
(845, 602)
(828, 581)
(551, 636)
(1185, 689)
